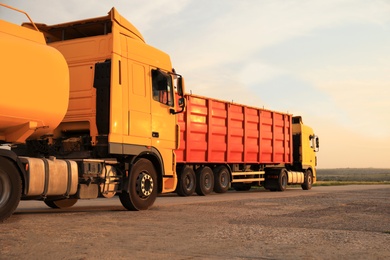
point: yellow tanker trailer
(34, 84)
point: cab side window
(162, 87)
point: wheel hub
(189, 183)
(224, 180)
(207, 182)
(144, 185)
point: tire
(204, 181)
(10, 189)
(60, 204)
(282, 180)
(308, 180)
(241, 186)
(186, 182)
(221, 179)
(143, 186)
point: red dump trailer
(224, 144)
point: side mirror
(180, 86)
(314, 142)
(181, 101)
(182, 105)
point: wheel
(221, 179)
(143, 186)
(187, 182)
(10, 189)
(241, 186)
(60, 204)
(204, 181)
(308, 180)
(282, 180)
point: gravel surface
(343, 222)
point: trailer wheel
(10, 189)
(204, 181)
(187, 182)
(282, 180)
(143, 186)
(221, 179)
(60, 204)
(308, 180)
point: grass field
(353, 176)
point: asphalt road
(101, 204)
(334, 222)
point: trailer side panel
(214, 131)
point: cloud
(363, 93)
(243, 29)
(255, 72)
(145, 14)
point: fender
(139, 151)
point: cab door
(133, 102)
(163, 121)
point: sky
(325, 60)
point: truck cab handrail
(20, 11)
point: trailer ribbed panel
(214, 131)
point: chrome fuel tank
(50, 177)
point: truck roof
(87, 28)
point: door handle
(155, 134)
